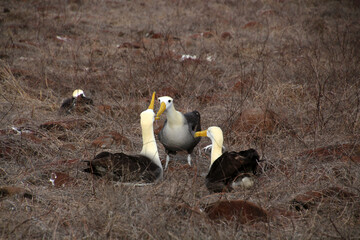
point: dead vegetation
(296, 63)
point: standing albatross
(145, 167)
(228, 169)
(178, 131)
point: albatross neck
(216, 151)
(149, 148)
(174, 117)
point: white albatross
(142, 168)
(178, 131)
(228, 169)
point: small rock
(311, 198)
(11, 191)
(243, 211)
(226, 36)
(67, 124)
(59, 179)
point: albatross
(78, 99)
(178, 131)
(228, 169)
(144, 167)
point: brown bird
(228, 169)
(144, 167)
(78, 102)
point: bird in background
(77, 103)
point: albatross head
(149, 148)
(217, 140)
(77, 93)
(165, 103)
(147, 117)
(214, 133)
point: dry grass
(297, 59)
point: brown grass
(296, 59)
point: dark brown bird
(228, 169)
(144, 167)
(77, 103)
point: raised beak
(151, 106)
(161, 110)
(201, 134)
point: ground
(282, 77)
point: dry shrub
(9, 84)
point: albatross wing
(193, 120)
(124, 168)
(228, 166)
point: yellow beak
(161, 110)
(151, 106)
(201, 134)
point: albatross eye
(169, 101)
